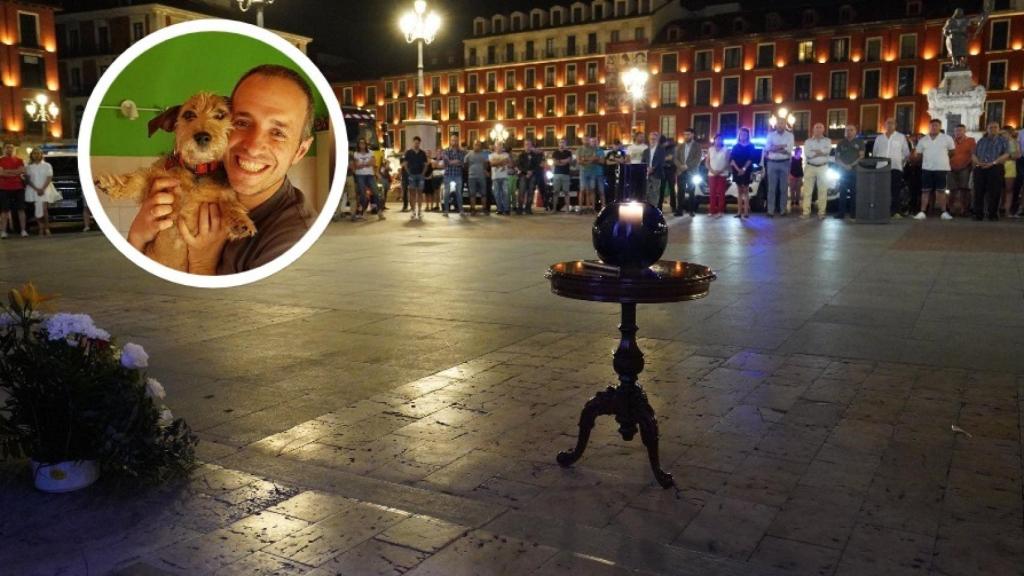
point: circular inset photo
(210, 153)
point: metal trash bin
(873, 190)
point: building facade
(555, 73)
(90, 40)
(28, 48)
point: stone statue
(955, 32)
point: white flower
(134, 357)
(154, 389)
(8, 319)
(66, 326)
(166, 418)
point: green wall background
(168, 74)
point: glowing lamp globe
(630, 235)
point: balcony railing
(527, 56)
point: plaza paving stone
(392, 403)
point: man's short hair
(936, 121)
(690, 130)
(278, 71)
(417, 139)
(961, 126)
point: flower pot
(64, 476)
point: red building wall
(927, 62)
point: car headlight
(832, 175)
(550, 174)
(697, 180)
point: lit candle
(631, 213)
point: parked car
(68, 183)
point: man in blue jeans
(476, 164)
(454, 159)
(849, 152)
(778, 152)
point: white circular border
(340, 146)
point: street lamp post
(782, 115)
(499, 134)
(40, 109)
(421, 28)
(635, 81)
(244, 6)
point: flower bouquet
(77, 404)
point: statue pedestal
(425, 128)
(957, 100)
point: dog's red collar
(199, 170)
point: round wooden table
(665, 281)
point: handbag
(52, 195)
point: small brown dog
(201, 126)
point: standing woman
(38, 191)
(718, 170)
(741, 160)
(434, 190)
(1010, 174)
(366, 182)
(796, 179)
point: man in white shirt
(935, 149)
(816, 152)
(778, 151)
(893, 145)
(634, 173)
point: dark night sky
(360, 38)
(366, 32)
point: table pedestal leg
(628, 402)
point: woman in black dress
(742, 159)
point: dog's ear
(165, 120)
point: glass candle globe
(630, 235)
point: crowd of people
(933, 173)
(26, 187)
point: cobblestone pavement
(393, 403)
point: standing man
(591, 160)
(816, 152)
(531, 177)
(960, 166)
(417, 170)
(778, 151)
(561, 181)
(849, 151)
(12, 190)
(989, 155)
(499, 162)
(476, 161)
(893, 145)
(687, 160)
(454, 160)
(655, 158)
(935, 149)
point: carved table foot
(629, 404)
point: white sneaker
(946, 216)
(3, 235)
(920, 216)
(24, 234)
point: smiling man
(272, 119)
